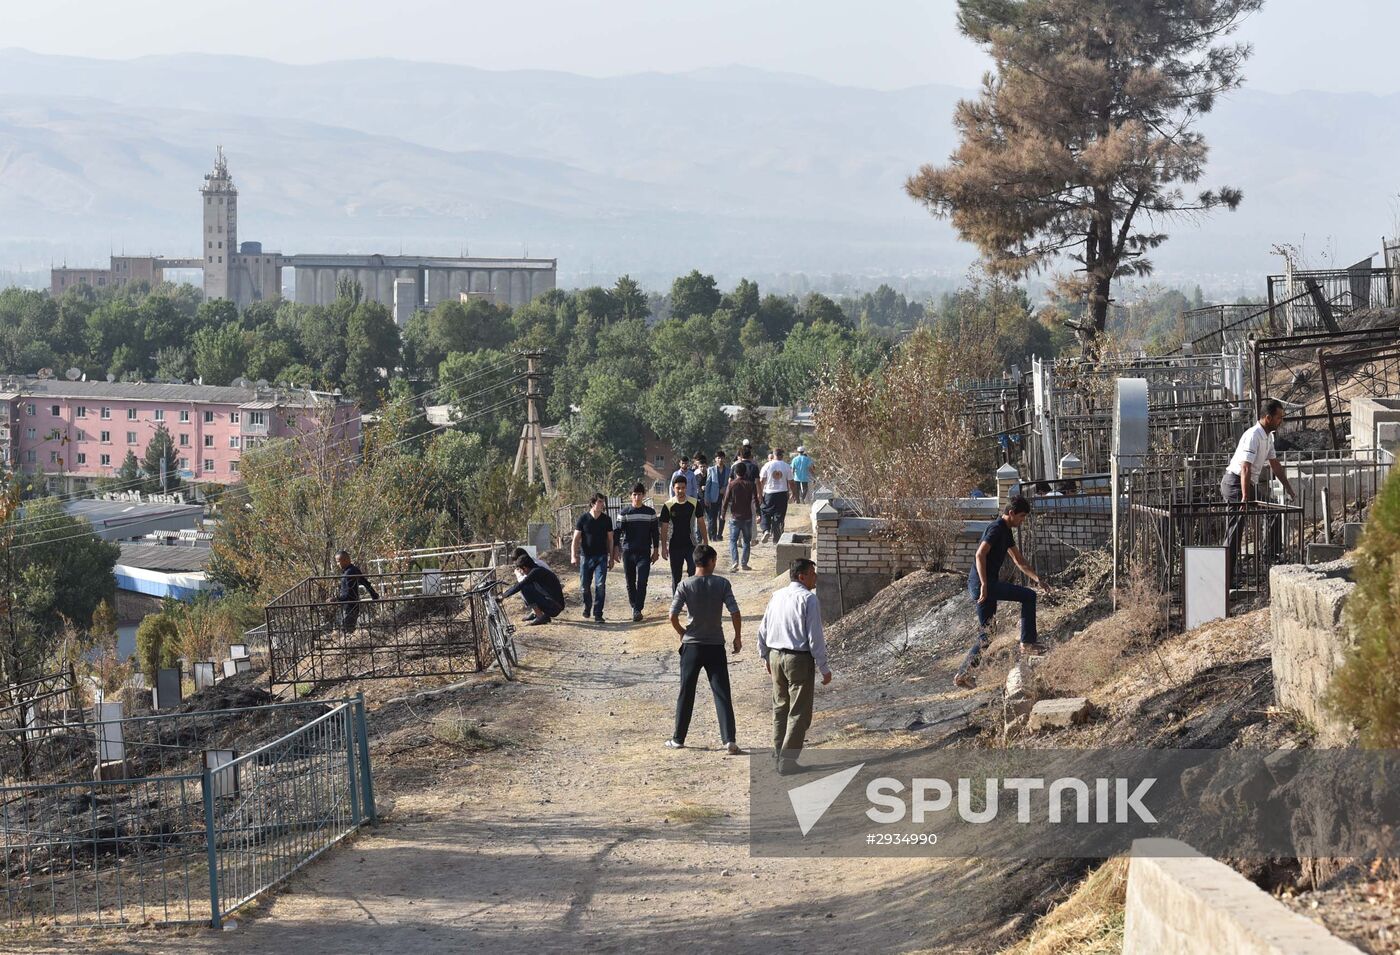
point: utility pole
(531, 437)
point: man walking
(638, 541)
(793, 648)
(347, 593)
(593, 534)
(802, 472)
(705, 597)
(692, 487)
(540, 588)
(986, 587)
(744, 467)
(774, 478)
(684, 524)
(1238, 484)
(739, 503)
(698, 466)
(716, 483)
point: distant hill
(733, 170)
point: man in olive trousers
(793, 648)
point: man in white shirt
(791, 631)
(773, 479)
(1254, 451)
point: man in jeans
(793, 648)
(638, 542)
(705, 597)
(539, 587)
(986, 587)
(593, 534)
(683, 525)
(716, 483)
(740, 500)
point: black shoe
(588, 613)
(599, 619)
(636, 616)
(537, 621)
(788, 767)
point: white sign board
(1207, 587)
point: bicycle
(498, 628)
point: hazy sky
(878, 43)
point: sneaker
(787, 767)
(764, 539)
(746, 567)
(1032, 649)
(733, 568)
(599, 619)
(636, 616)
(528, 617)
(733, 749)
(673, 744)
(588, 613)
(965, 680)
(537, 621)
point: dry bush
(1099, 651)
(1089, 922)
(895, 445)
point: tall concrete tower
(220, 228)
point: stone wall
(856, 562)
(1310, 639)
(1181, 903)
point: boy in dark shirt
(638, 542)
(593, 534)
(986, 587)
(678, 546)
(540, 587)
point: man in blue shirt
(986, 587)
(716, 483)
(802, 475)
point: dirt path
(589, 835)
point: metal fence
(1310, 299)
(194, 829)
(423, 624)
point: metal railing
(1157, 537)
(423, 624)
(1294, 297)
(1209, 328)
(193, 829)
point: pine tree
(1082, 139)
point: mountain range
(732, 170)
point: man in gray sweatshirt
(705, 597)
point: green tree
(130, 469)
(372, 345)
(157, 644)
(609, 418)
(694, 294)
(1083, 137)
(631, 300)
(161, 452)
(220, 354)
(1366, 690)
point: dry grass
(460, 732)
(1088, 922)
(1100, 650)
(689, 813)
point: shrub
(157, 644)
(1366, 690)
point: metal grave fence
(183, 826)
(425, 623)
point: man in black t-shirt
(986, 587)
(593, 534)
(683, 518)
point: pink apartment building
(77, 430)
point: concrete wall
(1181, 903)
(1310, 639)
(1366, 413)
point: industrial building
(243, 273)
